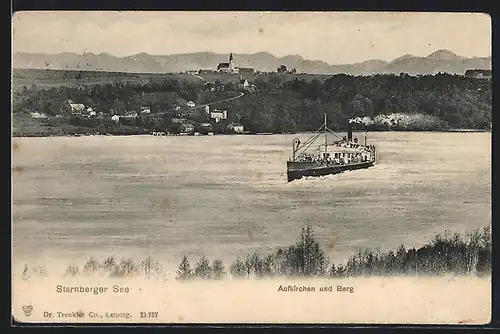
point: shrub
(127, 267)
(25, 275)
(109, 264)
(40, 271)
(92, 266)
(72, 270)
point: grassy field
(56, 78)
(25, 126)
(225, 78)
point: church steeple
(231, 65)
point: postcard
(251, 167)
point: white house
(217, 115)
(145, 110)
(115, 118)
(191, 104)
(37, 114)
(91, 112)
(207, 109)
(130, 115)
(179, 120)
(235, 127)
(186, 128)
(210, 86)
(76, 108)
(243, 83)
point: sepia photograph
(231, 167)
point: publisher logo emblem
(27, 309)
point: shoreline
(29, 135)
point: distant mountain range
(439, 61)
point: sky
(334, 37)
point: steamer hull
(298, 170)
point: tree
(149, 267)
(268, 265)
(254, 265)
(184, 271)
(280, 264)
(203, 269)
(218, 270)
(274, 80)
(333, 271)
(306, 258)
(127, 267)
(281, 69)
(204, 129)
(174, 128)
(281, 119)
(261, 83)
(400, 260)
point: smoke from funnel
(361, 120)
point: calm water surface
(226, 196)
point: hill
(54, 78)
(439, 61)
(42, 78)
(280, 103)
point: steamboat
(340, 155)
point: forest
(279, 104)
(446, 254)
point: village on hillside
(198, 102)
(185, 117)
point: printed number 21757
(149, 314)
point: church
(227, 67)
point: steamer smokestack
(349, 131)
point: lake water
(226, 196)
